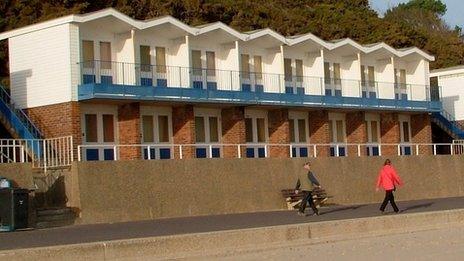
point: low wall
(19, 173)
(137, 190)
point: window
(405, 136)
(163, 128)
(340, 134)
(327, 72)
(88, 54)
(91, 128)
(160, 53)
(211, 63)
(245, 66)
(249, 129)
(145, 59)
(213, 129)
(199, 129)
(291, 126)
(371, 75)
(196, 62)
(374, 131)
(108, 128)
(336, 72)
(258, 67)
(299, 70)
(147, 125)
(301, 130)
(261, 129)
(331, 136)
(105, 55)
(363, 75)
(288, 69)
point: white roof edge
(446, 70)
(214, 26)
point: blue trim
(165, 153)
(246, 87)
(200, 153)
(147, 93)
(106, 79)
(91, 154)
(303, 152)
(162, 83)
(108, 154)
(146, 81)
(250, 152)
(259, 88)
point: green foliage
(417, 23)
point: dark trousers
(307, 197)
(389, 197)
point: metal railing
(132, 74)
(42, 153)
(11, 113)
(264, 150)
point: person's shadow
(342, 209)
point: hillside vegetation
(417, 23)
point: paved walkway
(173, 226)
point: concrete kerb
(209, 243)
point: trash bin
(14, 206)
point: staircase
(447, 122)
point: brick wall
(129, 130)
(389, 132)
(183, 127)
(356, 132)
(421, 132)
(279, 133)
(58, 120)
(233, 130)
(319, 130)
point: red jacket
(388, 178)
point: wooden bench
(293, 200)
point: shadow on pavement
(342, 209)
(426, 205)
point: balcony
(128, 81)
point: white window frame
(403, 145)
(333, 118)
(295, 116)
(254, 115)
(99, 110)
(207, 113)
(371, 118)
(155, 112)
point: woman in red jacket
(388, 180)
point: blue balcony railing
(115, 80)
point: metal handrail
(27, 122)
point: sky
(454, 14)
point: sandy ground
(443, 244)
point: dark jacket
(306, 181)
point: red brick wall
(58, 120)
(183, 126)
(319, 130)
(279, 133)
(233, 130)
(129, 130)
(356, 132)
(421, 132)
(389, 132)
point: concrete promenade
(178, 226)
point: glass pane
(327, 72)
(371, 74)
(91, 128)
(336, 71)
(105, 55)
(196, 62)
(331, 136)
(199, 129)
(249, 129)
(108, 128)
(363, 75)
(405, 131)
(374, 131)
(147, 127)
(87, 53)
(291, 125)
(302, 130)
(261, 130)
(299, 70)
(213, 129)
(245, 66)
(258, 67)
(210, 63)
(160, 59)
(145, 59)
(163, 128)
(288, 69)
(403, 76)
(340, 135)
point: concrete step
(54, 217)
